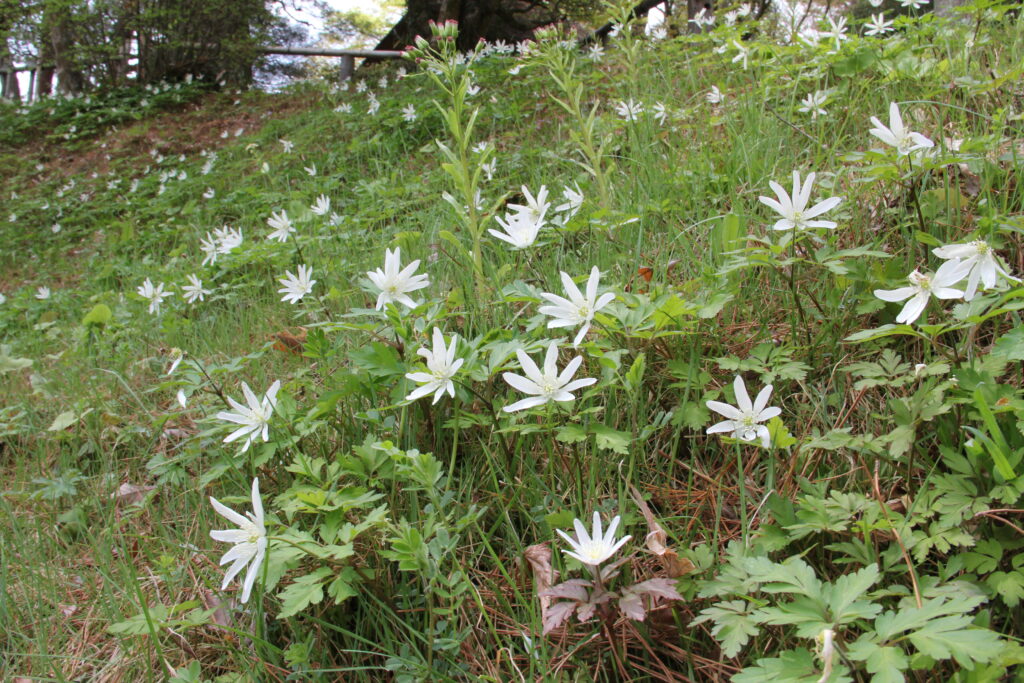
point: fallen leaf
(657, 541)
(129, 494)
(289, 341)
(544, 575)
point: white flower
(597, 547)
(227, 239)
(743, 421)
(875, 3)
(913, 4)
(3, 299)
(344, 108)
(322, 206)
(814, 104)
(177, 355)
(194, 291)
(361, 86)
(573, 197)
(545, 386)
(209, 194)
(489, 168)
(714, 96)
(536, 207)
(210, 247)
(282, 226)
(155, 295)
(472, 90)
(794, 211)
(442, 366)
(311, 170)
(374, 106)
(923, 287)
(254, 418)
(42, 293)
(838, 31)
(520, 230)
(703, 18)
(595, 52)
(896, 135)
(249, 539)
(743, 55)
(296, 286)
(979, 257)
(629, 111)
(394, 282)
(382, 82)
(660, 113)
(878, 26)
(182, 399)
(479, 148)
(577, 309)
(409, 113)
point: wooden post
(348, 67)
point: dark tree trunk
(507, 20)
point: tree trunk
(491, 20)
(58, 29)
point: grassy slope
(76, 558)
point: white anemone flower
(629, 111)
(878, 26)
(577, 309)
(194, 291)
(923, 287)
(296, 285)
(981, 259)
(249, 539)
(896, 135)
(794, 211)
(518, 229)
(594, 548)
(814, 104)
(394, 282)
(743, 421)
(441, 365)
(573, 197)
(536, 207)
(409, 113)
(254, 418)
(546, 386)
(282, 226)
(322, 206)
(154, 294)
(227, 239)
(714, 96)
(210, 247)
(42, 293)
(743, 55)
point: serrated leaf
(304, 591)
(611, 439)
(733, 627)
(886, 663)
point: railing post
(348, 67)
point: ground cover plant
(669, 359)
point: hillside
(753, 302)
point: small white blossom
(297, 285)
(249, 539)
(896, 135)
(794, 211)
(743, 421)
(979, 257)
(878, 26)
(396, 283)
(254, 418)
(441, 365)
(194, 291)
(547, 385)
(577, 309)
(629, 111)
(288, 145)
(282, 226)
(923, 287)
(322, 206)
(814, 104)
(714, 96)
(409, 113)
(597, 547)
(155, 295)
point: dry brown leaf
(544, 575)
(292, 341)
(211, 601)
(129, 494)
(657, 541)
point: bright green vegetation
(887, 507)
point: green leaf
(63, 421)
(733, 625)
(611, 439)
(8, 363)
(304, 591)
(99, 315)
(138, 625)
(886, 663)
(1009, 586)
(1010, 346)
(341, 588)
(571, 433)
